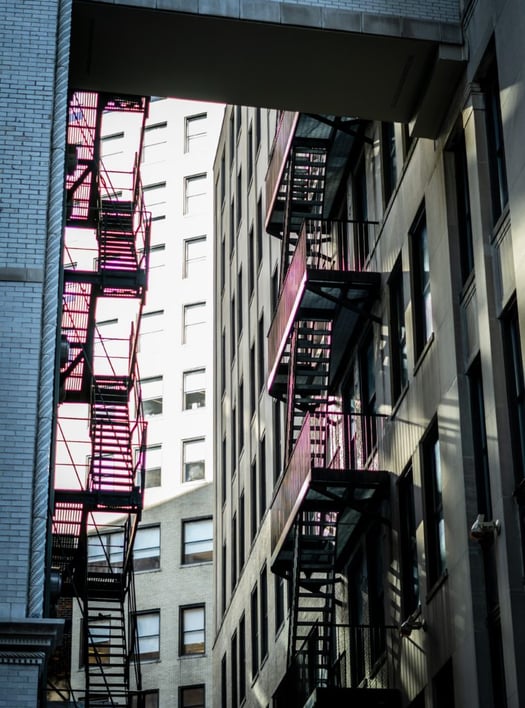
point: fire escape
(101, 433)
(331, 485)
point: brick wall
(18, 683)
(27, 57)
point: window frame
(183, 609)
(185, 556)
(185, 446)
(152, 655)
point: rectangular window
(232, 227)
(277, 440)
(239, 197)
(515, 388)
(408, 544)
(234, 678)
(194, 257)
(250, 153)
(257, 127)
(462, 207)
(253, 501)
(146, 699)
(194, 389)
(479, 440)
(98, 641)
(232, 135)
(193, 459)
(151, 331)
(261, 348)
(240, 409)
(197, 544)
(242, 659)
(398, 340)
(367, 378)
(421, 296)
(194, 131)
(105, 550)
(389, 160)
(194, 323)
(192, 630)
(224, 469)
(234, 438)
(252, 380)
(223, 178)
(360, 213)
(155, 198)
(223, 362)
(224, 682)
(153, 466)
(195, 194)
(233, 548)
(242, 527)
(264, 613)
(496, 147)
(434, 517)
(279, 583)
(262, 478)
(148, 631)
(146, 549)
(240, 303)
(251, 262)
(259, 233)
(254, 616)
(154, 147)
(152, 389)
(233, 342)
(192, 696)
(223, 262)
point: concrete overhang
(328, 61)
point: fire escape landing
(101, 432)
(331, 490)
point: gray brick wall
(18, 685)
(27, 55)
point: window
(398, 341)
(462, 207)
(194, 131)
(367, 391)
(193, 459)
(264, 613)
(443, 687)
(257, 127)
(250, 153)
(151, 330)
(146, 549)
(233, 546)
(479, 440)
(223, 362)
(146, 699)
(154, 149)
(148, 631)
(192, 696)
(232, 227)
(240, 303)
(261, 348)
(197, 541)
(234, 674)
(252, 375)
(253, 500)
(259, 233)
(155, 199)
(153, 466)
(262, 478)
(232, 135)
(376, 593)
(515, 388)
(194, 257)
(279, 602)
(152, 395)
(105, 550)
(422, 299)
(223, 178)
(98, 641)
(233, 342)
(388, 151)
(251, 263)
(223, 578)
(195, 194)
(408, 544)
(254, 615)
(360, 213)
(242, 659)
(192, 633)
(194, 389)
(434, 518)
(496, 147)
(239, 197)
(242, 524)
(194, 323)
(240, 409)
(223, 262)
(224, 683)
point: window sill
(424, 352)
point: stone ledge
(22, 275)
(26, 639)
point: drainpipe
(46, 379)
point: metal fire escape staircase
(111, 493)
(328, 477)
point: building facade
(394, 360)
(434, 70)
